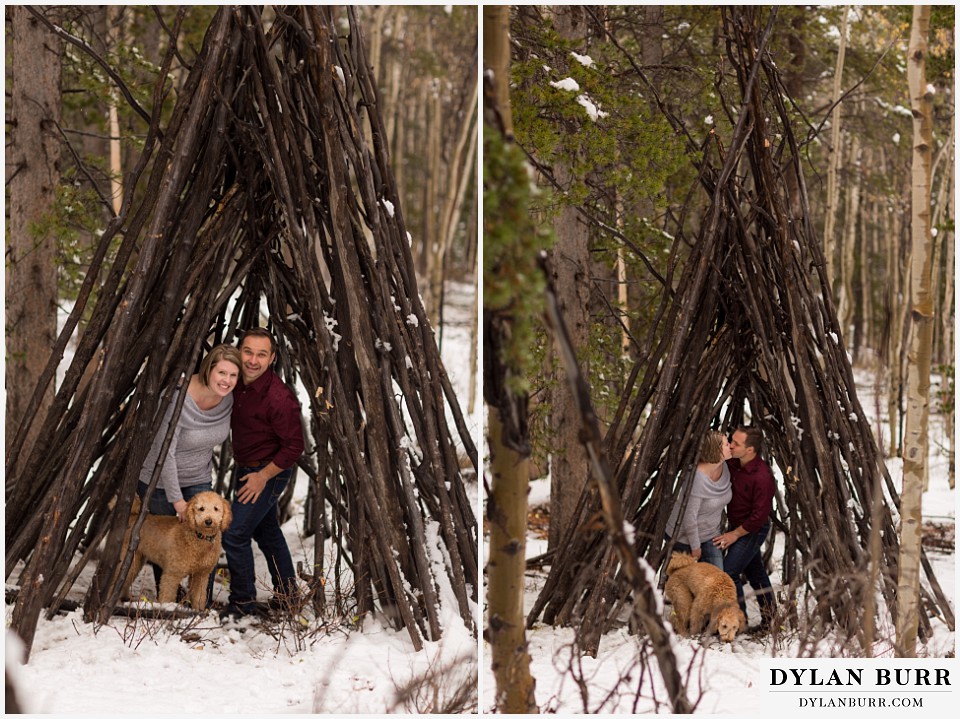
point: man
(267, 438)
(749, 515)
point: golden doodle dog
(700, 592)
(182, 549)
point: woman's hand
(181, 508)
(696, 553)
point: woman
(204, 423)
(709, 493)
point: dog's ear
(227, 514)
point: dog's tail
(679, 560)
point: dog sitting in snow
(182, 549)
(701, 593)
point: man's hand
(725, 540)
(252, 488)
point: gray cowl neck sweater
(197, 433)
(703, 516)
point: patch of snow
(592, 111)
(584, 60)
(568, 84)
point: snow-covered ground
(137, 666)
(724, 678)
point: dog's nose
(208, 521)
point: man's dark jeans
(744, 558)
(258, 521)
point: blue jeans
(744, 559)
(159, 504)
(258, 521)
(709, 552)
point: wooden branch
(647, 602)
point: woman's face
(223, 377)
(726, 448)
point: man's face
(257, 357)
(737, 447)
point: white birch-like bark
(833, 190)
(921, 336)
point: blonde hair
(218, 354)
(711, 448)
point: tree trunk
(507, 503)
(921, 334)
(868, 255)
(116, 157)
(569, 469)
(33, 173)
(431, 190)
(457, 172)
(391, 90)
(942, 279)
(833, 191)
(895, 302)
(507, 512)
(947, 320)
(844, 284)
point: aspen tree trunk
(116, 158)
(942, 264)
(507, 511)
(943, 246)
(623, 300)
(895, 300)
(844, 284)
(867, 246)
(392, 90)
(421, 123)
(375, 40)
(449, 200)
(505, 573)
(947, 318)
(474, 341)
(569, 468)
(921, 333)
(431, 207)
(833, 191)
(32, 175)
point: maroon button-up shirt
(266, 422)
(753, 490)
